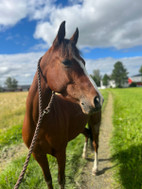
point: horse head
(65, 72)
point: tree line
(10, 83)
(119, 75)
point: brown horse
(62, 71)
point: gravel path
(103, 180)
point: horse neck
(33, 96)
(46, 93)
(45, 90)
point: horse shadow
(100, 172)
(130, 166)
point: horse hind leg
(93, 134)
(43, 162)
(94, 126)
(95, 165)
(95, 143)
(86, 134)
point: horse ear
(60, 35)
(75, 36)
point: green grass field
(126, 143)
(127, 137)
(12, 111)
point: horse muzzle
(90, 108)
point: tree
(0, 88)
(11, 83)
(140, 70)
(97, 77)
(119, 74)
(105, 80)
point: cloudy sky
(110, 31)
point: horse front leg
(43, 162)
(61, 159)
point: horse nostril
(82, 103)
(97, 101)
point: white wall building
(112, 84)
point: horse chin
(90, 110)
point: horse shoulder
(74, 119)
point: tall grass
(10, 136)
(105, 93)
(12, 108)
(34, 178)
(127, 137)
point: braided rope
(41, 115)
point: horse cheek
(58, 82)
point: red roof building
(136, 79)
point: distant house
(136, 79)
(112, 84)
(23, 87)
(19, 88)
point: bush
(133, 84)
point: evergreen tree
(119, 74)
(0, 88)
(11, 83)
(140, 70)
(97, 77)
(105, 80)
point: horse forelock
(68, 49)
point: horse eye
(67, 62)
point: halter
(41, 115)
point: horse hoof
(84, 156)
(94, 171)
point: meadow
(126, 144)
(12, 109)
(127, 137)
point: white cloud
(106, 65)
(23, 66)
(20, 66)
(105, 23)
(102, 23)
(11, 11)
(40, 10)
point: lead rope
(41, 115)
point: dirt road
(103, 180)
